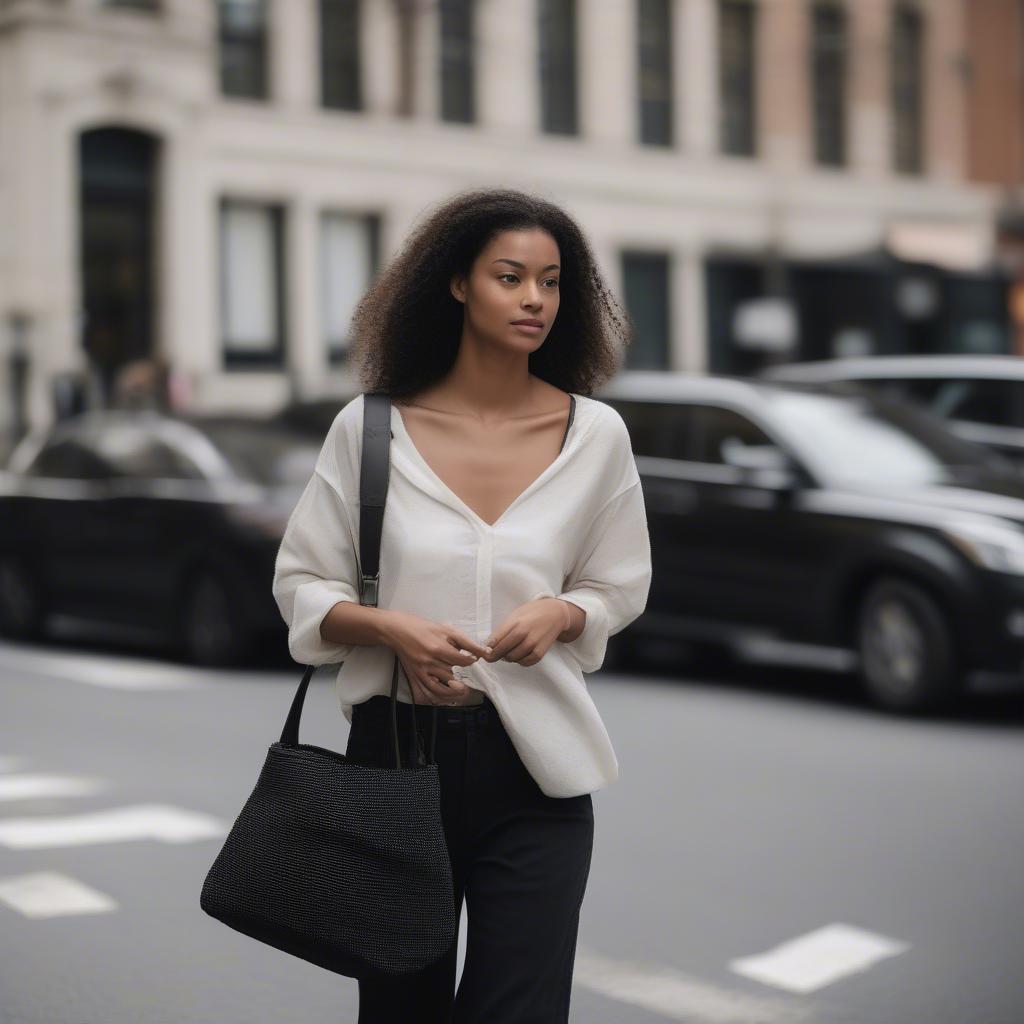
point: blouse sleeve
(316, 565)
(612, 577)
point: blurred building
(995, 126)
(214, 184)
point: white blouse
(577, 532)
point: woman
(514, 544)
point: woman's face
(515, 277)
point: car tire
(22, 612)
(210, 632)
(908, 661)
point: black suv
(844, 520)
(980, 396)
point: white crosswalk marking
(818, 958)
(679, 996)
(49, 894)
(33, 787)
(143, 821)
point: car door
(62, 526)
(743, 554)
(158, 504)
(667, 497)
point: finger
(427, 688)
(522, 650)
(507, 643)
(440, 692)
(466, 643)
(450, 654)
(498, 642)
(420, 692)
(442, 674)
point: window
(557, 35)
(135, 453)
(907, 88)
(252, 313)
(654, 66)
(243, 48)
(647, 423)
(977, 401)
(716, 429)
(914, 389)
(646, 285)
(150, 6)
(736, 77)
(348, 262)
(828, 83)
(68, 459)
(340, 71)
(457, 91)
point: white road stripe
(818, 958)
(32, 787)
(143, 821)
(678, 996)
(110, 672)
(49, 894)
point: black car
(980, 396)
(168, 525)
(849, 522)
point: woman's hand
(427, 651)
(526, 634)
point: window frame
(273, 354)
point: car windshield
(863, 439)
(266, 454)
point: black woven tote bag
(343, 864)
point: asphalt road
(772, 852)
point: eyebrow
(522, 266)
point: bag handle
(374, 473)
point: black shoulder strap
(374, 470)
(375, 467)
(572, 413)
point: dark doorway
(117, 181)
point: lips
(529, 323)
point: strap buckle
(368, 589)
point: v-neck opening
(570, 436)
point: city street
(772, 852)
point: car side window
(918, 389)
(714, 428)
(136, 453)
(67, 459)
(977, 401)
(648, 425)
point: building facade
(215, 183)
(995, 126)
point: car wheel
(21, 600)
(210, 631)
(908, 662)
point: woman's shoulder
(606, 418)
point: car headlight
(989, 543)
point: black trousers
(519, 858)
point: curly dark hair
(407, 326)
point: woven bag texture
(342, 864)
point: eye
(509, 273)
